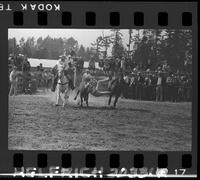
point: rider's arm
(54, 69)
(103, 80)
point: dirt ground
(36, 124)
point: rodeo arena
(159, 84)
(106, 104)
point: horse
(84, 90)
(62, 87)
(116, 89)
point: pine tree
(118, 50)
(178, 48)
(97, 46)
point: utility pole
(129, 43)
(155, 46)
(98, 46)
(105, 42)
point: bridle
(59, 77)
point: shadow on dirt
(110, 108)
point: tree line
(46, 48)
(145, 46)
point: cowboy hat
(62, 56)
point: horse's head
(92, 85)
(62, 75)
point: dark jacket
(26, 67)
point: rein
(60, 83)
(63, 83)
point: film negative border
(95, 15)
(90, 19)
(91, 165)
(149, 15)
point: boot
(71, 85)
(53, 88)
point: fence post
(75, 71)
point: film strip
(16, 161)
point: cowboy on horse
(65, 64)
(85, 82)
(63, 79)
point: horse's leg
(66, 96)
(81, 100)
(87, 97)
(116, 99)
(58, 97)
(76, 95)
(109, 101)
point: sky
(83, 36)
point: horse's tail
(98, 93)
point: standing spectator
(45, 79)
(39, 77)
(26, 67)
(146, 89)
(112, 65)
(92, 63)
(169, 88)
(139, 86)
(41, 69)
(188, 85)
(159, 88)
(127, 83)
(13, 81)
(133, 86)
(133, 64)
(148, 65)
(18, 61)
(106, 66)
(153, 85)
(101, 63)
(178, 88)
(164, 86)
(80, 64)
(151, 88)
(175, 88)
(117, 64)
(181, 94)
(123, 64)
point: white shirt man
(62, 64)
(13, 76)
(126, 79)
(159, 82)
(13, 81)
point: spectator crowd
(142, 82)
(25, 81)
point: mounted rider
(85, 82)
(64, 63)
(86, 77)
